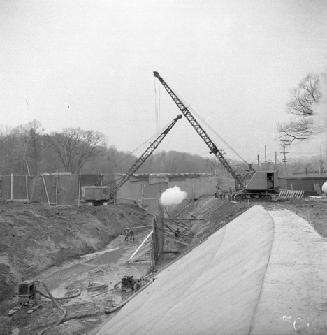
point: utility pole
(157, 105)
(258, 160)
(284, 152)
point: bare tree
(304, 96)
(33, 146)
(299, 129)
(74, 147)
(301, 107)
(20, 148)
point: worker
(177, 233)
(219, 192)
(131, 235)
(230, 194)
(270, 181)
(126, 233)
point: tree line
(28, 149)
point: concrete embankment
(263, 273)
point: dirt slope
(35, 237)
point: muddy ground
(35, 237)
(68, 247)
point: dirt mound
(196, 221)
(210, 214)
(215, 214)
(35, 237)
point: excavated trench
(69, 248)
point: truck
(97, 195)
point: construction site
(163, 253)
(195, 230)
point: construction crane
(148, 152)
(201, 132)
(100, 194)
(262, 183)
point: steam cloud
(172, 196)
(324, 187)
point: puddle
(98, 253)
(106, 266)
(60, 291)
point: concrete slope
(214, 289)
(294, 295)
(262, 274)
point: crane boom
(201, 132)
(148, 152)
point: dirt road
(312, 210)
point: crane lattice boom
(201, 132)
(148, 152)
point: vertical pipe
(56, 191)
(11, 187)
(154, 249)
(193, 190)
(153, 246)
(142, 194)
(79, 190)
(160, 231)
(45, 189)
(26, 183)
(265, 154)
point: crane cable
(155, 135)
(157, 103)
(209, 127)
(142, 145)
(219, 136)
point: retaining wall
(63, 189)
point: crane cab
(263, 182)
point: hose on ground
(54, 301)
(122, 304)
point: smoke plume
(172, 196)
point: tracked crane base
(263, 273)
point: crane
(262, 184)
(148, 152)
(201, 132)
(100, 194)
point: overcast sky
(89, 64)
